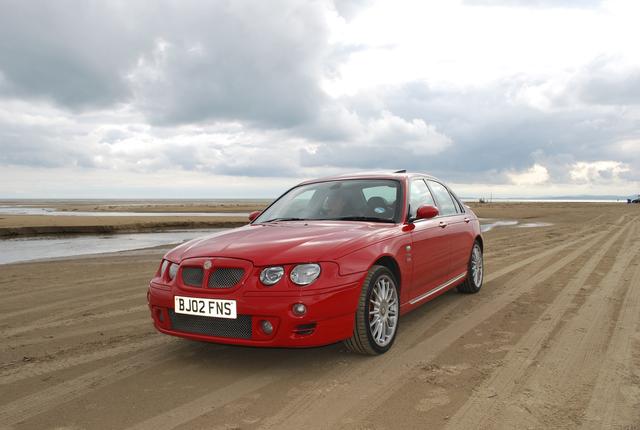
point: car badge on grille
(207, 265)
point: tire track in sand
(72, 321)
(209, 402)
(616, 384)
(104, 328)
(65, 303)
(504, 380)
(74, 286)
(29, 370)
(44, 400)
(555, 392)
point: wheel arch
(480, 242)
(390, 263)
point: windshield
(375, 200)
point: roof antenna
(401, 171)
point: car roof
(400, 174)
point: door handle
(442, 224)
(467, 220)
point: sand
(552, 341)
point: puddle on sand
(534, 224)
(40, 248)
(488, 224)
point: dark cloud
(180, 62)
(74, 53)
(257, 62)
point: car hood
(286, 242)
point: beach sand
(551, 341)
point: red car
(333, 259)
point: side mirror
(254, 215)
(426, 212)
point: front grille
(239, 328)
(225, 277)
(192, 276)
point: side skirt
(437, 289)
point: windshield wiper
(361, 218)
(284, 219)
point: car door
(430, 246)
(456, 228)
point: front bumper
(329, 317)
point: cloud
(40, 136)
(603, 82)
(387, 141)
(597, 171)
(235, 61)
(348, 9)
(48, 137)
(74, 54)
(496, 131)
(178, 62)
(535, 175)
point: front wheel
(475, 271)
(376, 319)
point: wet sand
(33, 225)
(552, 341)
(143, 205)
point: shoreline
(18, 226)
(149, 227)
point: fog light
(299, 309)
(267, 327)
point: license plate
(215, 308)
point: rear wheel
(475, 271)
(376, 319)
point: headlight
(304, 274)
(173, 270)
(271, 275)
(163, 267)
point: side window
(458, 202)
(446, 205)
(420, 195)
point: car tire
(475, 271)
(373, 336)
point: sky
(211, 99)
